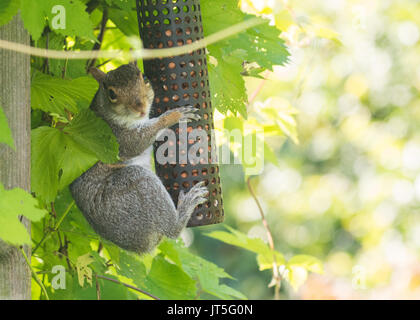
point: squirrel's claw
(188, 114)
(190, 117)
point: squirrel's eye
(112, 95)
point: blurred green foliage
(341, 178)
(349, 192)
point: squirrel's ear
(134, 63)
(97, 74)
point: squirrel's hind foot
(186, 205)
(188, 201)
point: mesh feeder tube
(182, 81)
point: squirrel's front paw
(188, 114)
(182, 114)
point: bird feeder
(182, 81)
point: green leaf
(48, 146)
(74, 162)
(93, 135)
(260, 45)
(215, 12)
(8, 9)
(194, 265)
(296, 276)
(232, 123)
(34, 17)
(283, 19)
(227, 84)
(75, 223)
(5, 133)
(168, 281)
(170, 249)
(126, 21)
(265, 261)
(225, 292)
(241, 240)
(298, 268)
(36, 13)
(281, 115)
(83, 271)
(75, 227)
(108, 290)
(265, 256)
(114, 291)
(126, 5)
(310, 263)
(14, 203)
(60, 156)
(60, 68)
(56, 95)
(132, 267)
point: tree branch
(128, 286)
(34, 275)
(136, 54)
(276, 275)
(97, 45)
(48, 233)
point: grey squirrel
(126, 203)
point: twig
(128, 286)
(276, 274)
(46, 66)
(49, 232)
(138, 15)
(98, 288)
(256, 91)
(34, 275)
(84, 235)
(53, 212)
(103, 63)
(92, 5)
(97, 45)
(135, 54)
(64, 215)
(100, 247)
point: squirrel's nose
(137, 105)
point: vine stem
(128, 286)
(64, 216)
(97, 276)
(98, 288)
(97, 45)
(135, 54)
(257, 90)
(34, 275)
(46, 235)
(276, 275)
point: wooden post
(15, 170)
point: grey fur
(127, 203)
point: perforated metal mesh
(181, 81)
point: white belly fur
(142, 160)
